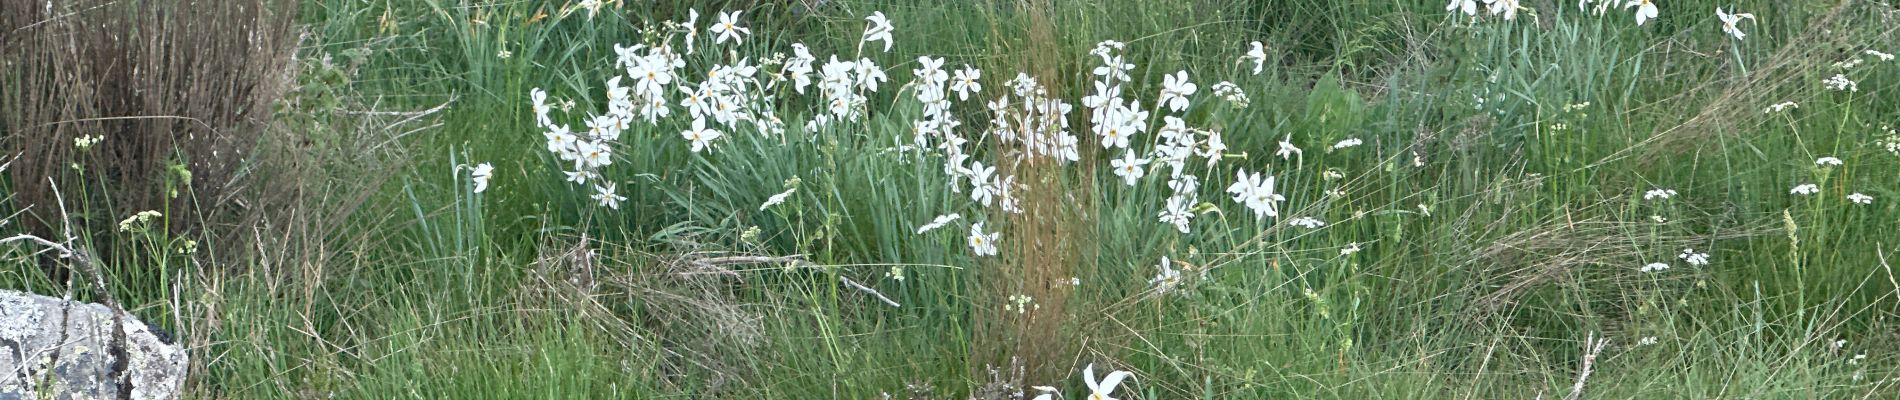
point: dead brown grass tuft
(164, 82)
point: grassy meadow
(1563, 204)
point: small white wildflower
(1837, 345)
(1859, 198)
(1805, 189)
(939, 222)
(1694, 258)
(1021, 304)
(1349, 142)
(1878, 54)
(1654, 267)
(139, 222)
(778, 198)
(1646, 341)
(1840, 82)
(1307, 222)
(1779, 107)
(1659, 193)
(1349, 249)
(896, 273)
(1658, 219)
(84, 143)
(1827, 161)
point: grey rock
(51, 348)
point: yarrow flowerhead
(1694, 258)
(1805, 189)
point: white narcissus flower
(1860, 198)
(1105, 388)
(1729, 22)
(700, 136)
(869, 75)
(692, 28)
(984, 244)
(561, 142)
(932, 71)
(1165, 280)
(1645, 10)
(965, 83)
(728, 28)
(480, 175)
(1827, 162)
(983, 186)
(1507, 8)
(1129, 167)
(604, 194)
(880, 30)
(1805, 189)
(593, 155)
(1469, 7)
(1257, 194)
(1175, 90)
(1287, 150)
(1177, 213)
(1258, 54)
(541, 107)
